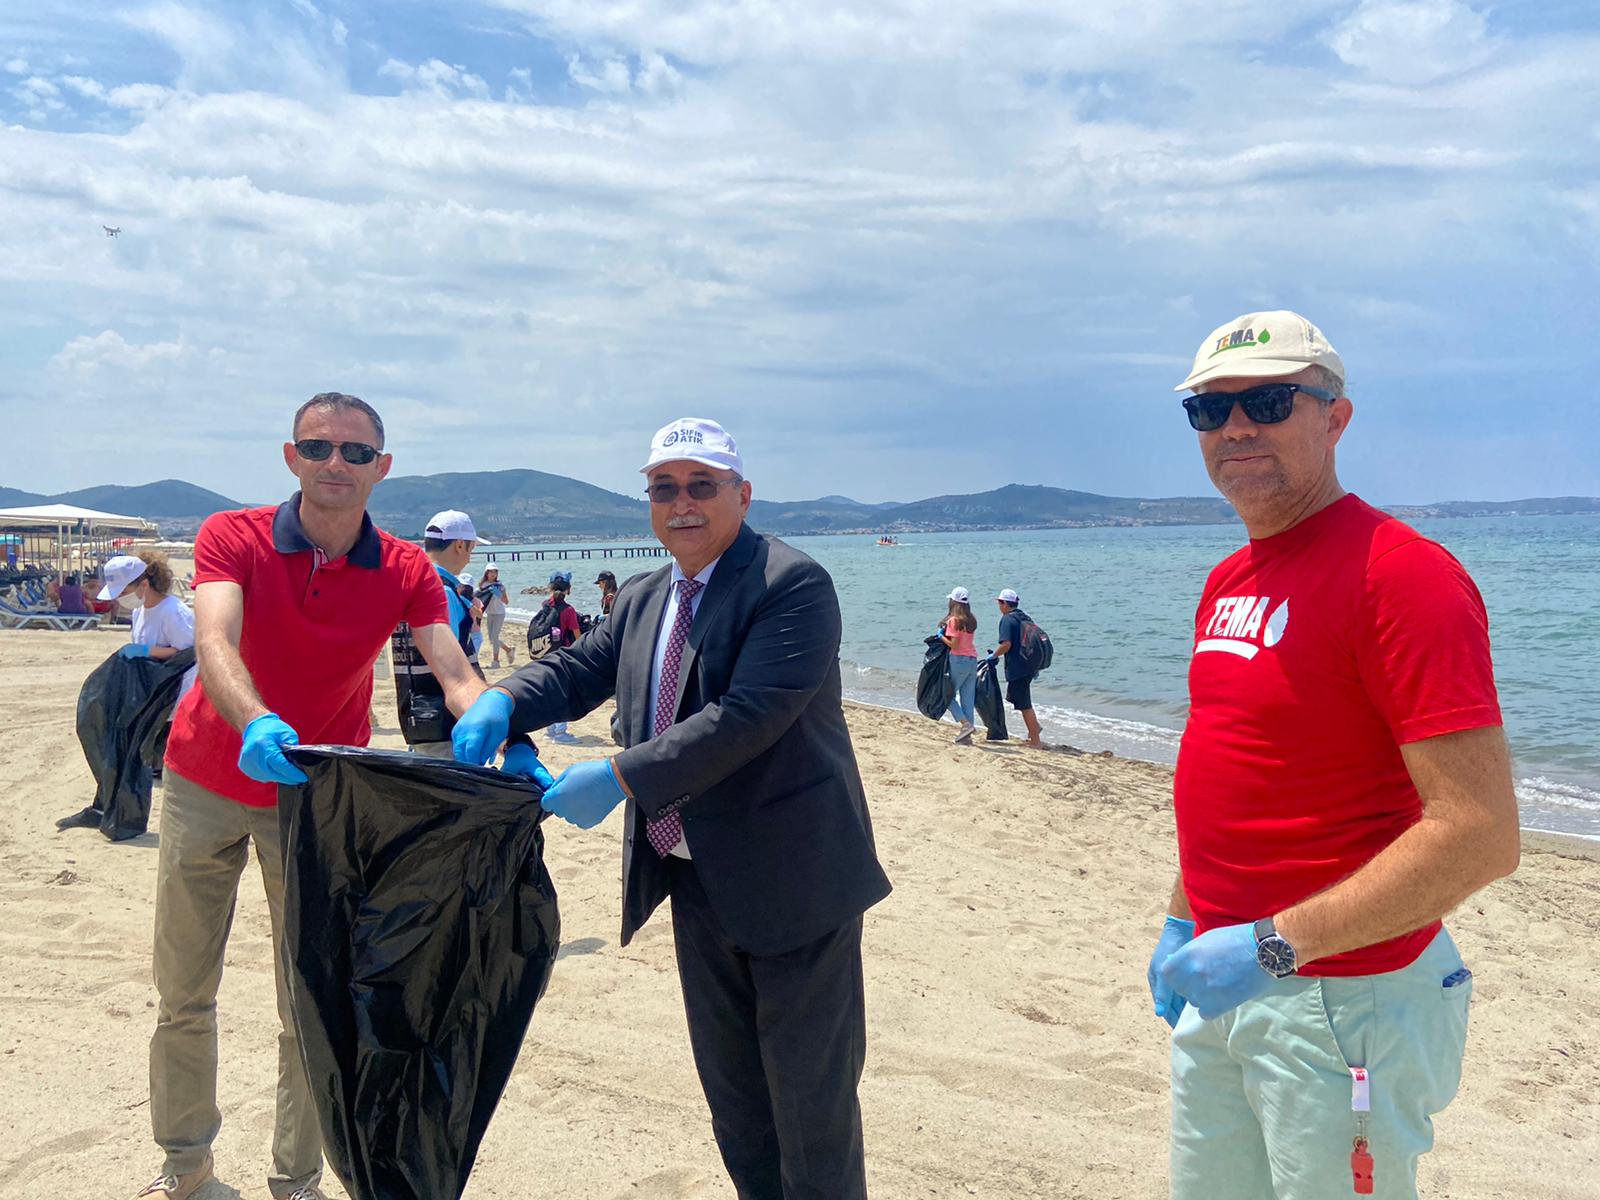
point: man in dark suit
(744, 805)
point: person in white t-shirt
(492, 595)
(162, 624)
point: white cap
(961, 595)
(1009, 596)
(120, 573)
(694, 439)
(1262, 345)
(465, 577)
(453, 526)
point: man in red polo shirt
(1343, 782)
(292, 604)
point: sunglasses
(1265, 405)
(667, 491)
(357, 454)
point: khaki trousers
(204, 840)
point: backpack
(1034, 648)
(544, 631)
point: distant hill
(510, 504)
(530, 505)
(162, 499)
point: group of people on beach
(958, 634)
(1342, 784)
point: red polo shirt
(312, 628)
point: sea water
(1119, 605)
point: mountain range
(524, 505)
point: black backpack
(544, 631)
(1034, 648)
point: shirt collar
(703, 578)
(289, 536)
(450, 580)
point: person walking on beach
(292, 605)
(744, 804)
(1342, 783)
(1019, 676)
(448, 540)
(558, 624)
(959, 626)
(492, 595)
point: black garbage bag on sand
(934, 687)
(124, 709)
(420, 929)
(990, 701)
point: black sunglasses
(357, 454)
(667, 491)
(1265, 405)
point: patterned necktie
(665, 833)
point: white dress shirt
(662, 636)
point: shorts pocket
(1455, 999)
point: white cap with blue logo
(694, 439)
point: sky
(900, 248)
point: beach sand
(1012, 1052)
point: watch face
(1276, 956)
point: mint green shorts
(1261, 1096)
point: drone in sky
(110, 231)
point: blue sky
(900, 248)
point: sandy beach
(1012, 1049)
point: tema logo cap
(121, 573)
(1261, 345)
(694, 439)
(1009, 596)
(454, 526)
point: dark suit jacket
(759, 763)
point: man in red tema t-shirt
(1342, 783)
(292, 604)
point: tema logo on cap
(1241, 337)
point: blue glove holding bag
(523, 759)
(585, 794)
(135, 650)
(1175, 934)
(482, 728)
(262, 755)
(1218, 971)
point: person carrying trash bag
(292, 605)
(935, 689)
(990, 700)
(420, 930)
(123, 712)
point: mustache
(687, 522)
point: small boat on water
(887, 540)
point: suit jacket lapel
(733, 562)
(641, 653)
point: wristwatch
(1274, 954)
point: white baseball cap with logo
(1261, 345)
(1009, 596)
(694, 439)
(960, 595)
(121, 573)
(452, 525)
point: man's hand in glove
(585, 794)
(262, 755)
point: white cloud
(435, 78)
(609, 76)
(108, 351)
(89, 89)
(39, 96)
(1412, 42)
(16, 66)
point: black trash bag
(420, 928)
(934, 687)
(990, 701)
(124, 709)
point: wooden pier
(578, 552)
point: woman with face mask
(162, 625)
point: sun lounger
(13, 617)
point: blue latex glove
(1217, 971)
(135, 650)
(523, 759)
(585, 794)
(262, 755)
(482, 728)
(1175, 934)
